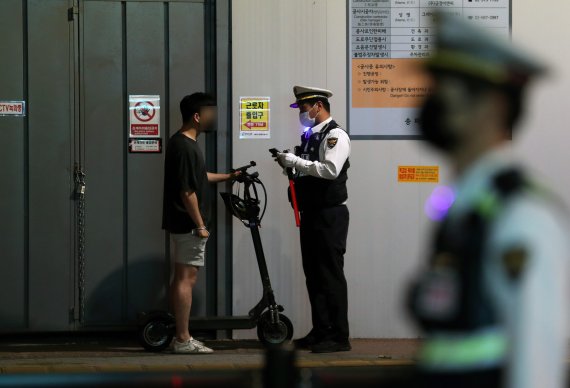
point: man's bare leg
(185, 277)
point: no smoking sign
(144, 111)
(144, 116)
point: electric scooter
(157, 328)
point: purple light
(439, 203)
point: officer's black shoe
(331, 346)
(307, 341)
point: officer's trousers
(323, 244)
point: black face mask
(434, 127)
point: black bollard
(280, 370)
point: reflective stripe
(488, 205)
(468, 351)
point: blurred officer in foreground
(492, 300)
(320, 165)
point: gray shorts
(189, 249)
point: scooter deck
(221, 323)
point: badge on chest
(331, 142)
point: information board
(386, 41)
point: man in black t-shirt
(185, 171)
(185, 212)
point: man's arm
(216, 178)
(187, 184)
(190, 201)
(335, 154)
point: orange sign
(418, 174)
(388, 83)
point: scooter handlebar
(244, 168)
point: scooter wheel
(155, 334)
(271, 334)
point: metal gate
(65, 266)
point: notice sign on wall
(144, 113)
(13, 108)
(387, 41)
(254, 118)
(145, 146)
(418, 174)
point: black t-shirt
(184, 170)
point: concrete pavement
(67, 355)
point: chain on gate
(80, 224)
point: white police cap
(303, 93)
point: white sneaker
(191, 339)
(197, 341)
(191, 346)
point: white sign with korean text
(13, 108)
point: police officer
(320, 165)
(492, 298)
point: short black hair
(325, 102)
(192, 104)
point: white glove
(287, 159)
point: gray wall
(132, 48)
(36, 166)
(306, 44)
(13, 167)
(76, 77)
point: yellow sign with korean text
(418, 174)
(254, 118)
